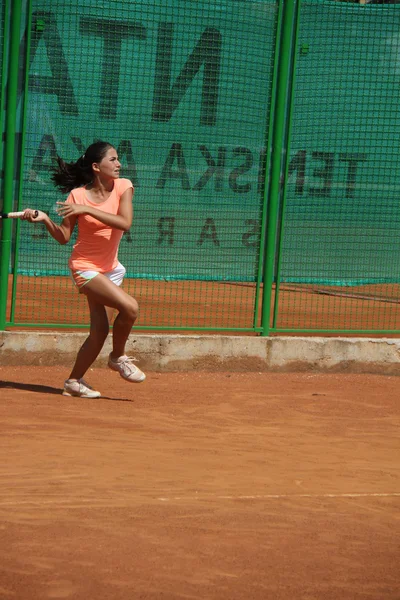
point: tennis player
(101, 203)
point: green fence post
(290, 104)
(14, 266)
(5, 25)
(272, 187)
(264, 212)
(9, 151)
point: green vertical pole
(291, 94)
(9, 151)
(5, 24)
(264, 210)
(22, 157)
(272, 189)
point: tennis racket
(15, 215)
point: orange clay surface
(203, 306)
(200, 485)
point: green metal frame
(273, 167)
(289, 120)
(272, 210)
(272, 192)
(22, 157)
(6, 13)
(9, 153)
(268, 153)
(69, 326)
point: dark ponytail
(67, 176)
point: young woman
(101, 203)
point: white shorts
(81, 278)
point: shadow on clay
(46, 389)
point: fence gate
(339, 243)
(183, 90)
(262, 140)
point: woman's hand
(66, 209)
(61, 233)
(29, 215)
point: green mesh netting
(343, 213)
(182, 89)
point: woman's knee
(130, 310)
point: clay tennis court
(205, 305)
(278, 486)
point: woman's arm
(61, 233)
(122, 220)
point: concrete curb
(213, 352)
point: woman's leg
(101, 290)
(91, 347)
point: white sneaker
(79, 388)
(124, 365)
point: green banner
(342, 217)
(182, 89)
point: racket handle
(15, 215)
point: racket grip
(16, 215)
